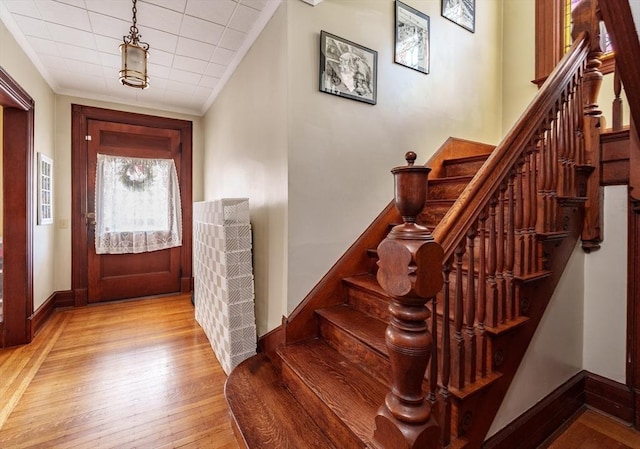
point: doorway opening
(17, 212)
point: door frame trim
(80, 115)
(17, 153)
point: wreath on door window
(135, 176)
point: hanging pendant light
(134, 57)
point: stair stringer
(475, 416)
(301, 324)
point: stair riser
(369, 303)
(445, 189)
(339, 433)
(369, 358)
(362, 355)
(463, 167)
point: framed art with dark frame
(347, 69)
(461, 12)
(412, 38)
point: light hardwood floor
(135, 374)
(593, 430)
(141, 374)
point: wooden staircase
(506, 220)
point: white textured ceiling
(195, 45)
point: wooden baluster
(571, 105)
(510, 249)
(519, 216)
(616, 108)
(544, 178)
(458, 361)
(526, 207)
(553, 183)
(561, 162)
(470, 309)
(580, 121)
(568, 158)
(534, 181)
(445, 416)
(433, 364)
(410, 272)
(482, 291)
(500, 240)
(492, 287)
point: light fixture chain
(134, 28)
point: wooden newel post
(586, 17)
(410, 271)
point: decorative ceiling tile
(194, 49)
(244, 18)
(68, 35)
(160, 18)
(63, 14)
(232, 39)
(79, 53)
(43, 46)
(23, 7)
(32, 27)
(201, 30)
(216, 70)
(176, 5)
(104, 25)
(255, 4)
(222, 56)
(219, 14)
(189, 64)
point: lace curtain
(137, 205)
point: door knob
(91, 216)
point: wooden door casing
(81, 118)
(120, 276)
(18, 210)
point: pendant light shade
(134, 57)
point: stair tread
(267, 415)
(353, 396)
(365, 328)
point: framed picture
(347, 69)
(462, 12)
(412, 38)
(45, 189)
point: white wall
(246, 157)
(518, 62)
(605, 293)
(555, 352)
(315, 166)
(16, 63)
(340, 151)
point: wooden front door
(118, 276)
(106, 277)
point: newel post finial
(410, 271)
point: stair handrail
(518, 199)
(452, 228)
